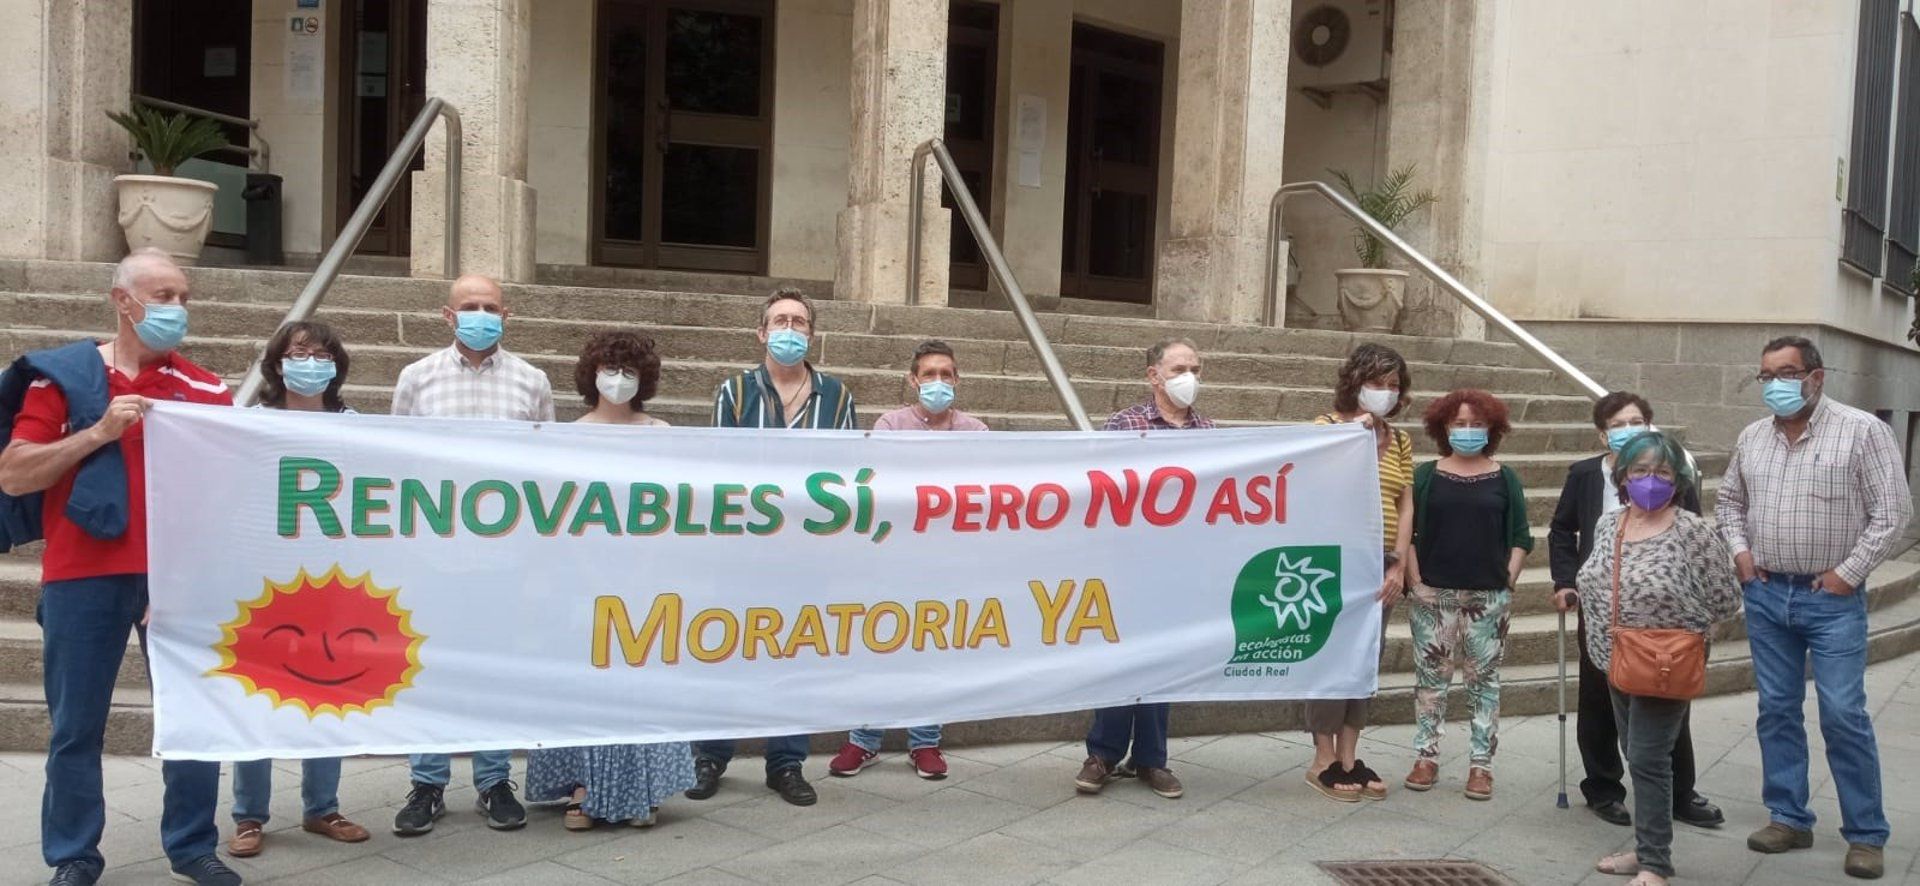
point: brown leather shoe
(1162, 782)
(1776, 838)
(1094, 775)
(1479, 784)
(1424, 774)
(335, 827)
(1865, 862)
(248, 836)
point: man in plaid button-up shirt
(472, 378)
(1131, 740)
(1812, 502)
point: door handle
(1098, 155)
(664, 140)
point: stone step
(408, 295)
(1526, 689)
(251, 323)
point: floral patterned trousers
(1467, 630)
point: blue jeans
(917, 737)
(1142, 725)
(319, 788)
(1789, 621)
(84, 625)
(489, 768)
(783, 752)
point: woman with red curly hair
(1470, 537)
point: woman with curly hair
(617, 373)
(1470, 537)
(1372, 389)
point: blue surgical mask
(786, 346)
(307, 376)
(478, 330)
(1467, 441)
(936, 396)
(1785, 396)
(163, 327)
(1617, 437)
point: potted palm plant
(163, 210)
(1371, 295)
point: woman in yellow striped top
(1372, 388)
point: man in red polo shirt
(94, 591)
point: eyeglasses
(798, 324)
(1789, 375)
(619, 371)
(322, 356)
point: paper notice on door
(1029, 139)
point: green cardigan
(1519, 534)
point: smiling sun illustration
(327, 645)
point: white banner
(353, 584)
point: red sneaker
(851, 759)
(928, 763)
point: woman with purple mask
(1673, 572)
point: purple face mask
(1650, 493)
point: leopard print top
(1681, 578)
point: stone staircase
(1253, 376)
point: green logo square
(1285, 601)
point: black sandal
(1328, 782)
(1365, 775)
(576, 818)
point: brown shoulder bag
(1666, 663)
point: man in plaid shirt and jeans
(1812, 502)
(1138, 732)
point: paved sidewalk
(1008, 814)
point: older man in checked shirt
(1812, 502)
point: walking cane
(1562, 802)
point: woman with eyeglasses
(1668, 569)
(303, 369)
(617, 374)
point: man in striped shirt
(472, 378)
(1812, 502)
(783, 391)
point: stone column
(1229, 136)
(899, 101)
(63, 65)
(1438, 111)
(478, 55)
(1039, 64)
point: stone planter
(1370, 298)
(168, 213)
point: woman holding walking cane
(1659, 579)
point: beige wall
(560, 138)
(1680, 171)
(305, 142)
(1351, 135)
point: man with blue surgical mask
(472, 378)
(1813, 501)
(782, 391)
(76, 462)
(1588, 496)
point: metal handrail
(1420, 261)
(264, 153)
(362, 219)
(996, 263)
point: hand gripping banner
(353, 584)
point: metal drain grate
(1430, 872)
